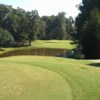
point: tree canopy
(26, 26)
(6, 39)
(88, 28)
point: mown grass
(48, 78)
(59, 44)
(62, 44)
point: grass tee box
(48, 78)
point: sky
(47, 7)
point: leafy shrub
(6, 39)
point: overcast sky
(47, 7)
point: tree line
(88, 28)
(19, 27)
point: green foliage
(57, 27)
(6, 39)
(91, 36)
(30, 25)
(39, 28)
(60, 28)
(26, 26)
(85, 8)
(70, 28)
(88, 31)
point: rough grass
(48, 78)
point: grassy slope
(63, 44)
(48, 78)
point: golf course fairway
(48, 78)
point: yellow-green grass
(62, 44)
(48, 78)
(59, 44)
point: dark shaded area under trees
(88, 28)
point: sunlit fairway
(48, 78)
(63, 44)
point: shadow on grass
(94, 64)
(2, 49)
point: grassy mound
(48, 78)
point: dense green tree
(6, 39)
(87, 25)
(61, 29)
(40, 27)
(31, 21)
(5, 11)
(90, 39)
(26, 26)
(56, 26)
(70, 27)
(50, 26)
(85, 8)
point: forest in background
(19, 27)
